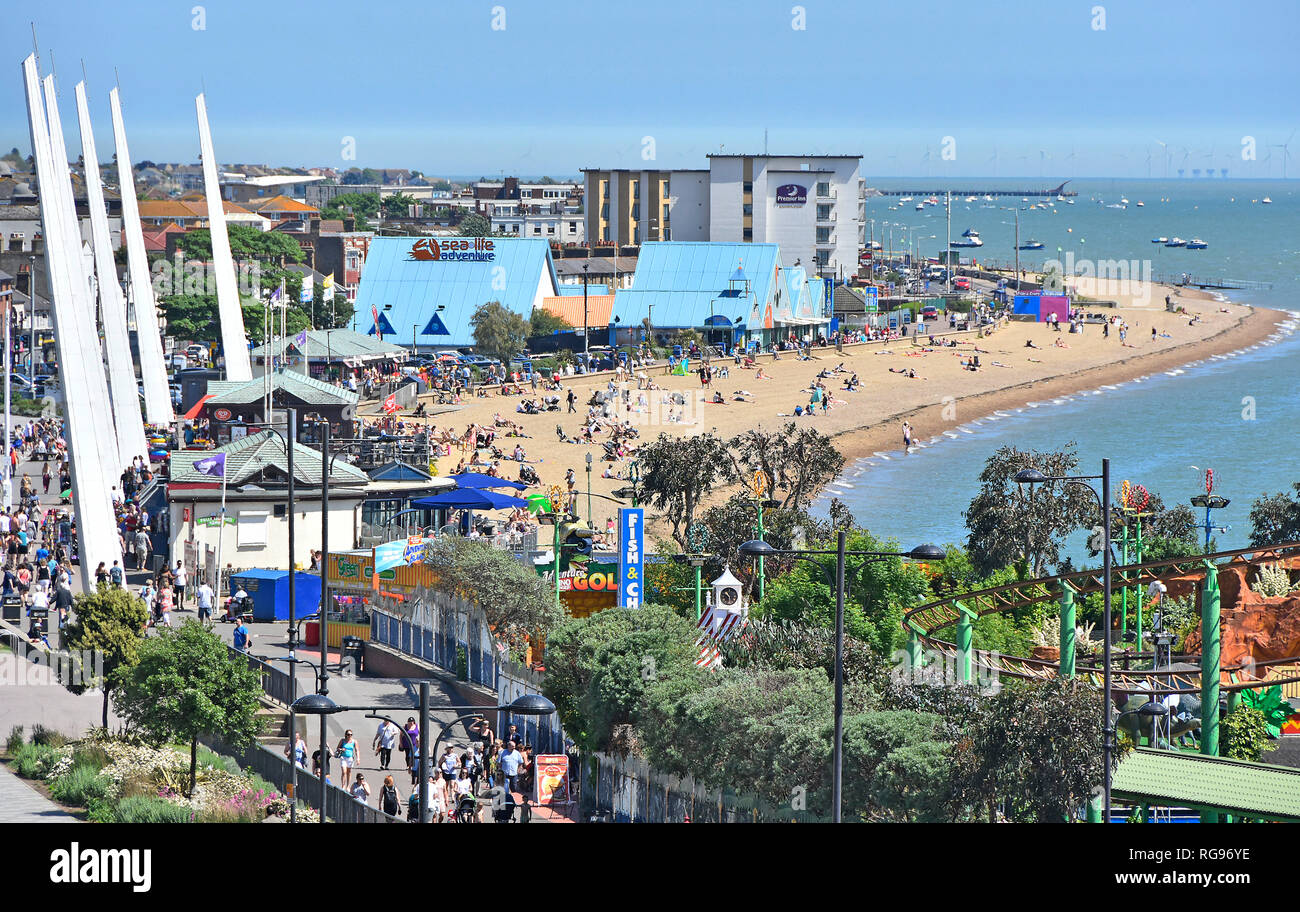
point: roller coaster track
(926, 621)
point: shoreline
(928, 421)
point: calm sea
(1237, 414)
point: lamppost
(586, 342)
(1032, 477)
(590, 518)
(321, 705)
(757, 548)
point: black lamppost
(321, 705)
(586, 346)
(758, 548)
(1032, 477)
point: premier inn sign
(791, 195)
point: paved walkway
(20, 803)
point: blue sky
(1022, 88)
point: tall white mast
(96, 531)
(117, 343)
(93, 393)
(234, 341)
(153, 371)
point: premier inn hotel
(422, 292)
(811, 206)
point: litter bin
(13, 609)
(354, 648)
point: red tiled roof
(569, 308)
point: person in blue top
(242, 637)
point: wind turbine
(994, 158)
(1148, 164)
(1043, 156)
(1165, 148)
(1286, 151)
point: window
(747, 187)
(823, 188)
(823, 235)
(252, 528)
(823, 211)
(550, 229)
(747, 209)
(573, 226)
(748, 234)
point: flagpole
(221, 526)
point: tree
(1275, 519)
(475, 225)
(186, 684)
(517, 603)
(545, 323)
(796, 460)
(1036, 748)
(109, 623)
(1026, 529)
(600, 669)
(1245, 734)
(498, 331)
(678, 472)
(398, 205)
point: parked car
(961, 284)
(929, 312)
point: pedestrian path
(20, 803)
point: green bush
(15, 740)
(93, 756)
(1245, 733)
(79, 786)
(208, 758)
(47, 736)
(101, 810)
(33, 761)
(145, 809)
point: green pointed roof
(249, 458)
(300, 386)
(334, 344)
(1183, 779)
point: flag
(300, 340)
(275, 296)
(214, 465)
(390, 404)
(328, 283)
(306, 293)
(379, 332)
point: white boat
(1160, 240)
(970, 233)
(1116, 206)
(920, 206)
(1141, 204)
(1266, 200)
(1124, 201)
(1175, 242)
(1196, 244)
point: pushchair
(466, 810)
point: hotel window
(747, 209)
(823, 235)
(823, 188)
(550, 229)
(747, 187)
(824, 211)
(748, 234)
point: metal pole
(324, 753)
(1067, 630)
(1123, 593)
(424, 752)
(699, 593)
(324, 556)
(1108, 733)
(586, 347)
(8, 470)
(1137, 590)
(293, 668)
(557, 559)
(762, 577)
(838, 774)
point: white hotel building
(811, 205)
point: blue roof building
(429, 287)
(737, 287)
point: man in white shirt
(204, 596)
(180, 577)
(384, 742)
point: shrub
(211, 760)
(1273, 581)
(94, 756)
(80, 786)
(34, 760)
(15, 740)
(47, 736)
(1245, 733)
(145, 809)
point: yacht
(1140, 204)
(1031, 245)
(920, 207)
(1175, 242)
(1266, 200)
(1160, 240)
(971, 239)
(1196, 244)
(970, 233)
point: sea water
(1238, 413)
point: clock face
(728, 596)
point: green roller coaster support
(1094, 809)
(1137, 591)
(1210, 670)
(965, 637)
(914, 651)
(1123, 592)
(1067, 630)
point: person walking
(384, 741)
(390, 800)
(180, 576)
(141, 549)
(204, 597)
(361, 789)
(511, 761)
(347, 753)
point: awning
(477, 480)
(470, 499)
(196, 408)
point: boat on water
(970, 233)
(1140, 204)
(971, 238)
(1031, 245)
(1123, 200)
(920, 206)
(1175, 242)
(1116, 206)
(1266, 200)
(905, 199)
(1196, 244)
(1160, 240)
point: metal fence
(276, 683)
(340, 806)
(452, 635)
(626, 790)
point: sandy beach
(940, 397)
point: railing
(274, 768)
(276, 683)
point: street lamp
(1032, 477)
(757, 548)
(586, 343)
(590, 518)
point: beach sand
(942, 397)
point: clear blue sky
(1024, 87)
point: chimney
(313, 227)
(349, 223)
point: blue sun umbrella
(469, 499)
(479, 481)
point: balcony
(828, 193)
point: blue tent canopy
(469, 499)
(478, 480)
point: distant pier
(1054, 192)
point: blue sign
(631, 548)
(435, 327)
(871, 297)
